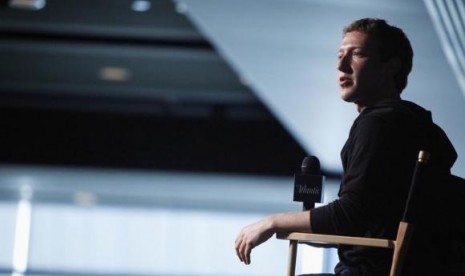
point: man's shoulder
(390, 106)
(391, 119)
(397, 112)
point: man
(378, 157)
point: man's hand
(259, 232)
(251, 236)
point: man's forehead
(356, 39)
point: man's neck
(362, 106)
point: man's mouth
(345, 81)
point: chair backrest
(438, 239)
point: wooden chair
(399, 245)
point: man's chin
(347, 96)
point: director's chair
(398, 245)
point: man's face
(361, 73)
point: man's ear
(393, 66)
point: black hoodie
(378, 161)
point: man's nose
(343, 64)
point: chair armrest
(334, 239)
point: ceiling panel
(169, 74)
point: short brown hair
(392, 42)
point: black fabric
(378, 161)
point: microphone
(308, 185)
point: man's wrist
(271, 223)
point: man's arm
(260, 231)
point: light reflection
(110, 73)
(28, 4)
(22, 235)
(141, 6)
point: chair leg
(403, 237)
(292, 258)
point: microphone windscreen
(311, 165)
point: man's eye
(357, 54)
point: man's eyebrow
(342, 49)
